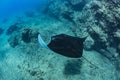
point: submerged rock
(14, 40)
(24, 35)
(12, 29)
(72, 67)
(29, 35)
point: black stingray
(66, 45)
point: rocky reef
(25, 35)
(99, 20)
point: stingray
(65, 45)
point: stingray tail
(91, 63)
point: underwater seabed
(46, 65)
(22, 57)
(29, 61)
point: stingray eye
(55, 38)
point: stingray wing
(66, 45)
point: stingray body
(66, 45)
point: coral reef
(105, 17)
(102, 23)
(97, 19)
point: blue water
(11, 7)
